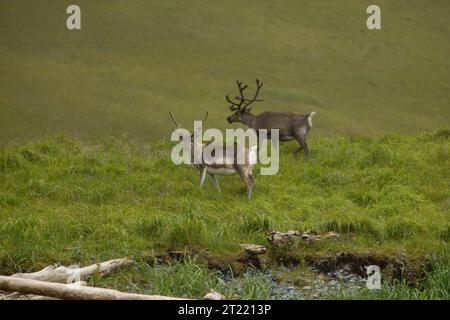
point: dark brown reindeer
(291, 125)
(225, 165)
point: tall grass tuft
(255, 223)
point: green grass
(135, 60)
(64, 201)
(187, 279)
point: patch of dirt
(226, 263)
(397, 266)
(237, 263)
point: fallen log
(70, 291)
(20, 296)
(62, 274)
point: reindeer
(291, 125)
(225, 165)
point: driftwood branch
(70, 291)
(68, 275)
(62, 274)
(20, 296)
(60, 282)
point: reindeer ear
(248, 109)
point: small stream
(311, 285)
(319, 286)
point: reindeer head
(241, 107)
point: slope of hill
(135, 60)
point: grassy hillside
(63, 201)
(135, 60)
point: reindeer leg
(216, 182)
(258, 140)
(202, 176)
(252, 180)
(245, 178)
(250, 175)
(300, 136)
(304, 145)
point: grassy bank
(67, 202)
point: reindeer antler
(243, 103)
(237, 106)
(206, 116)
(178, 125)
(173, 119)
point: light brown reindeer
(225, 164)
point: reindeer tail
(310, 116)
